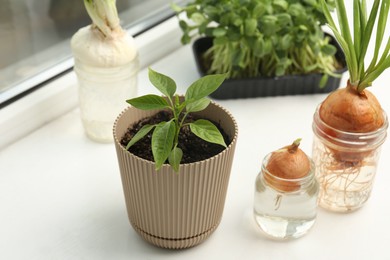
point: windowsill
(61, 194)
(60, 96)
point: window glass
(35, 36)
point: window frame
(29, 85)
(59, 96)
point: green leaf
(209, 31)
(363, 13)
(211, 11)
(162, 142)
(328, 49)
(198, 105)
(382, 59)
(207, 131)
(148, 102)
(259, 10)
(220, 40)
(204, 87)
(375, 73)
(281, 3)
(237, 21)
(383, 16)
(202, 28)
(139, 135)
(356, 25)
(349, 57)
(234, 35)
(183, 25)
(190, 9)
(270, 24)
(296, 10)
(258, 48)
(218, 32)
(250, 26)
(174, 158)
(303, 28)
(367, 36)
(311, 2)
(185, 39)
(198, 18)
(225, 19)
(163, 83)
(346, 34)
(284, 19)
(286, 41)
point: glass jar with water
(285, 208)
(346, 164)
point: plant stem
(104, 15)
(294, 146)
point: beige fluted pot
(170, 209)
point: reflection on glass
(34, 35)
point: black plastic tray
(271, 86)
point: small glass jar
(346, 164)
(102, 96)
(285, 208)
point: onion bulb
(103, 43)
(286, 166)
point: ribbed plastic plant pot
(268, 86)
(175, 209)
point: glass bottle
(285, 208)
(102, 95)
(346, 164)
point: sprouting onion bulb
(286, 166)
(103, 43)
(355, 109)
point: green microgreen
(254, 38)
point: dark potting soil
(194, 148)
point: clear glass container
(285, 208)
(346, 164)
(103, 92)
